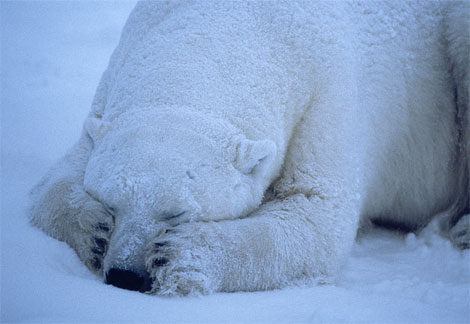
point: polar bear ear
(255, 157)
(96, 128)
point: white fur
(336, 113)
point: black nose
(128, 280)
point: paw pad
(177, 262)
(96, 226)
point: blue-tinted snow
(52, 56)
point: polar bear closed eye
(241, 145)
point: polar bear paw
(179, 262)
(460, 233)
(95, 226)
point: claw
(101, 243)
(160, 244)
(160, 262)
(96, 263)
(104, 227)
(97, 250)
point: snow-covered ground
(52, 56)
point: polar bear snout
(129, 280)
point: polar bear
(241, 145)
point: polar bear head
(169, 167)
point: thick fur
(452, 221)
(240, 145)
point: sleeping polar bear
(240, 145)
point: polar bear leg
(279, 244)
(306, 231)
(66, 212)
(455, 222)
(459, 234)
(455, 226)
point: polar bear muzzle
(129, 280)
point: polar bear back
(409, 97)
(257, 65)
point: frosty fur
(240, 145)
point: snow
(52, 56)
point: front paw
(180, 261)
(460, 233)
(95, 226)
